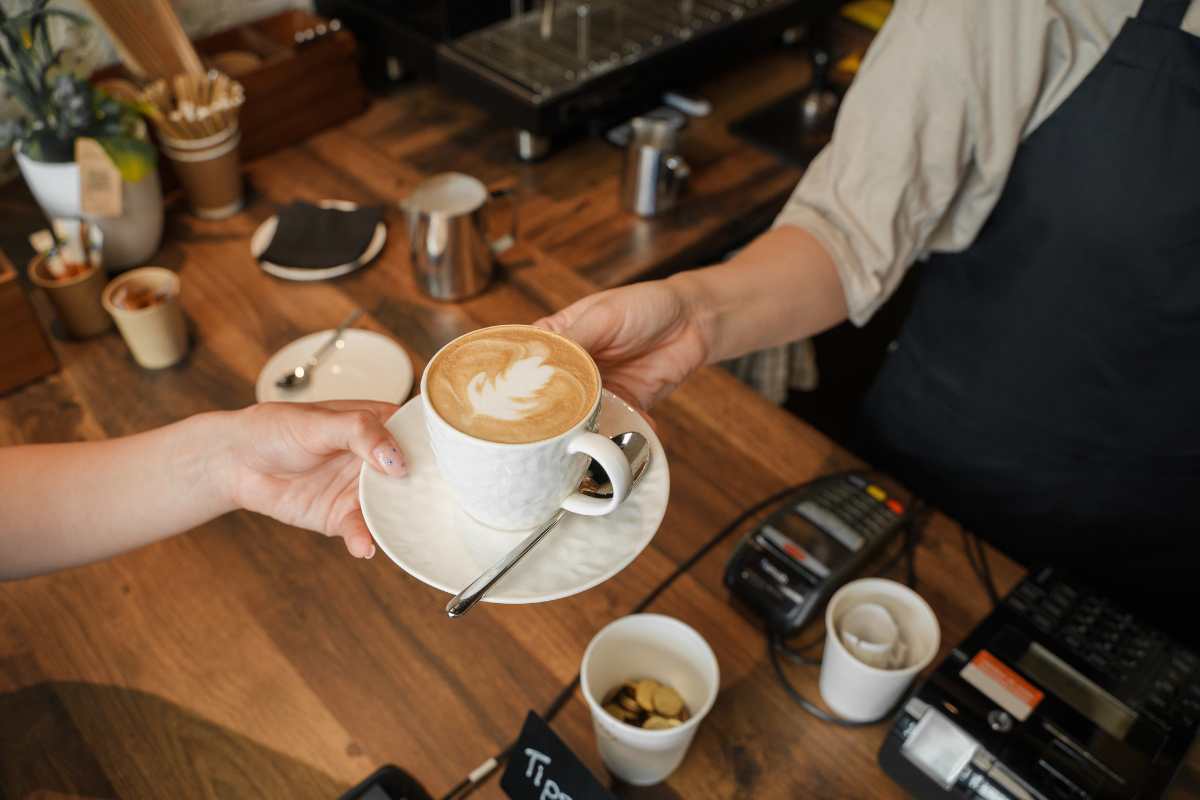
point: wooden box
(25, 354)
(292, 90)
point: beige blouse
(929, 128)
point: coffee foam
(512, 384)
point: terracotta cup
(210, 172)
(156, 335)
(76, 300)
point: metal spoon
(636, 449)
(301, 374)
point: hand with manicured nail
(299, 463)
(72, 503)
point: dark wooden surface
(25, 355)
(247, 659)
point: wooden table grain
(248, 659)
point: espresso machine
(568, 66)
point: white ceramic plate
(369, 367)
(417, 524)
(261, 240)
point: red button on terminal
(895, 506)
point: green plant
(62, 107)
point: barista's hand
(646, 338)
(299, 463)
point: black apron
(1045, 389)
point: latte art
(513, 384)
(512, 394)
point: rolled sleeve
(906, 151)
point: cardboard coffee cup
(156, 334)
(210, 172)
(76, 300)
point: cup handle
(604, 451)
(510, 238)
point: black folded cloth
(308, 236)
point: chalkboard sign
(541, 767)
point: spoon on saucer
(300, 376)
(594, 484)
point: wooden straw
(148, 36)
(199, 106)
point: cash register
(1059, 694)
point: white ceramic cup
(647, 646)
(855, 690)
(517, 486)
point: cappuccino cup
(511, 412)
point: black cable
(989, 584)
(476, 778)
(796, 654)
(473, 781)
(914, 527)
(969, 551)
(708, 546)
(804, 703)
(977, 558)
(920, 514)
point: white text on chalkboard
(535, 771)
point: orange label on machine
(1002, 685)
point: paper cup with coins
(145, 304)
(649, 680)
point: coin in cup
(647, 704)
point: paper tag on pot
(99, 180)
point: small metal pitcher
(451, 256)
(654, 171)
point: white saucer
(265, 232)
(369, 367)
(416, 523)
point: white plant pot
(130, 239)
(54, 186)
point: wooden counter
(248, 659)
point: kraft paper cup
(75, 300)
(210, 172)
(853, 689)
(647, 646)
(156, 336)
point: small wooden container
(292, 90)
(25, 355)
(77, 300)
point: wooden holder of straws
(196, 117)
